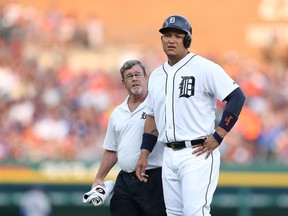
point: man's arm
(150, 126)
(235, 101)
(109, 159)
(148, 142)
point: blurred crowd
(49, 111)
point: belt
(148, 172)
(184, 144)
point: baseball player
(181, 109)
(122, 143)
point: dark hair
(129, 64)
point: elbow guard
(228, 120)
(235, 102)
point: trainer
(122, 144)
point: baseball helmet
(181, 23)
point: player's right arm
(148, 142)
(109, 159)
(150, 126)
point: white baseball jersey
(124, 136)
(182, 97)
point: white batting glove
(98, 194)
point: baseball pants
(189, 182)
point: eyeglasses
(130, 76)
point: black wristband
(148, 141)
(217, 137)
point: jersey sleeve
(219, 83)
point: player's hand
(141, 166)
(98, 181)
(206, 148)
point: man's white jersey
(194, 84)
(124, 136)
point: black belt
(181, 145)
(148, 172)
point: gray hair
(129, 64)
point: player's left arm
(235, 101)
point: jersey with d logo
(183, 97)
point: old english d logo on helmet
(172, 20)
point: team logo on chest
(187, 86)
(143, 115)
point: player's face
(173, 44)
(135, 81)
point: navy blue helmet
(180, 23)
